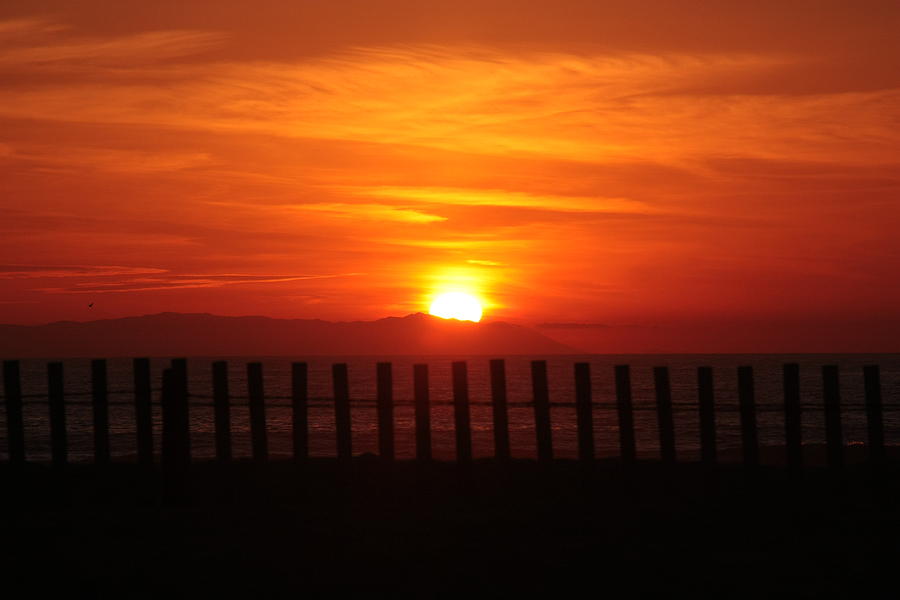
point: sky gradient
(629, 176)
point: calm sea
(683, 373)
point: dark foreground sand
(437, 531)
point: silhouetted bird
(91, 305)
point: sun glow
(456, 305)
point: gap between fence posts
(300, 411)
(500, 410)
(100, 404)
(664, 415)
(461, 417)
(793, 424)
(342, 423)
(59, 448)
(747, 408)
(15, 421)
(541, 396)
(384, 404)
(257, 406)
(143, 411)
(222, 411)
(423, 412)
(584, 412)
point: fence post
(584, 412)
(461, 413)
(874, 414)
(423, 412)
(664, 415)
(541, 396)
(300, 410)
(342, 423)
(59, 449)
(793, 425)
(180, 389)
(747, 407)
(500, 410)
(834, 437)
(384, 401)
(143, 412)
(100, 402)
(706, 400)
(15, 422)
(627, 445)
(257, 405)
(222, 411)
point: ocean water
(683, 376)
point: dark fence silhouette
(174, 396)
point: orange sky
(624, 171)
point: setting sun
(456, 305)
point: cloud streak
(56, 271)
(182, 282)
(123, 52)
(506, 198)
(106, 159)
(356, 211)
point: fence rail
(176, 402)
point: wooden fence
(176, 434)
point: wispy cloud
(511, 198)
(355, 211)
(101, 279)
(124, 51)
(13, 28)
(184, 281)
(10, 271)
(484, 263)
(106, 159)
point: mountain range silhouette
(202, 334)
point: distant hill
(176, 334)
